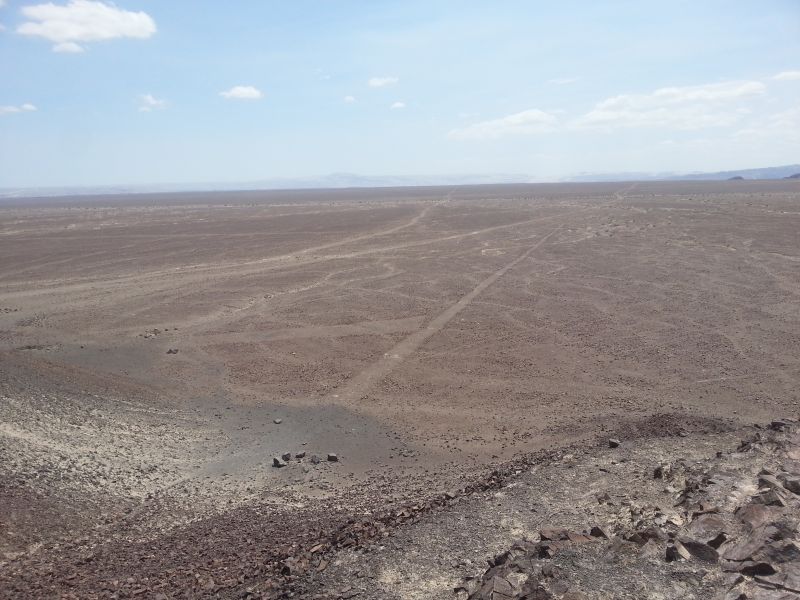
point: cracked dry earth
(465, 353)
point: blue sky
(155, 91)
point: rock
(332, 457)
(771, 497)
(753, 569)
(277, 462)
(554, 534)
(654, 533)
(277, 421)
(662, 471)
(578, 538)
(671, 555)
(172, 351)
(788, 579)
(533, 590)
(746, 548)
(598, 532)
(707, 526)
(460, 593)
(314, 459)
(497, 588)
(769, 481)
(792, 484)
(300, 454)
(699, 550)
(755, 515)
(287, 456)
(677, 552)
(716, 542)
(613, 443)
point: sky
(144, 92)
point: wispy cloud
(787, 76)
(398, 105)
(562, 80)
(242, 92)
(677, 108)
(148, 103)
(349, 99)
(68, 48)
(784, 125)
(83, 21)
(689, 107)
(10, 110)
(527, 122)
(377, 82)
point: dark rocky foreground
(695, 512)
(706, 520)
(718, 539)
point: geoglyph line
(363, 382)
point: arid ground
(158, 351)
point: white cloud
(148, 103)
(689, 107)
(68, 47)
(787, 76)
(382, 81)
(349, 99)
(527, 122)
(8, 110)
(83, 21)
(398, 105)
(562, 80)
(242, 92)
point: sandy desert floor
(157, 351)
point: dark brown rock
(497, 588)
(792, 484)
(700, 551)
(598, 532)
(554, 533)
(755, 515)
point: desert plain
(160, 354)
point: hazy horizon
(142, 93)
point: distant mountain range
(333, 180)
(784, 172)
(353, 180)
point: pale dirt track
(422, 335)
